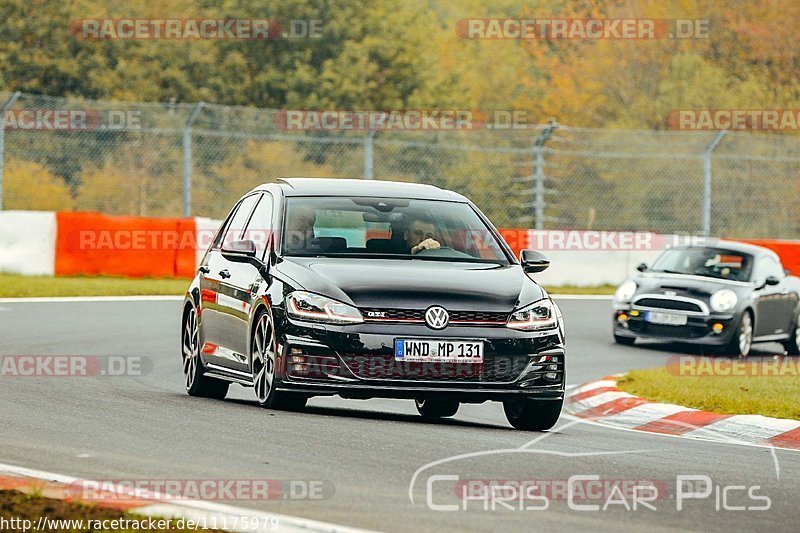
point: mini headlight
(316, 308)
(538, 315)
(723, 300)
(625, 291)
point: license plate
(669, 319)
(438, 351)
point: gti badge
(437, 317)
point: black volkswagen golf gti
(372, 289)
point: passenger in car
(300, 227)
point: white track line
(73, 299)
(197, 509)
(581, 296)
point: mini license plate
(438, 351)
(669, 319)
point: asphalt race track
(146, 427)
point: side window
(239, 221)
(259, 229)
(766, 267)
(773, 268)
(224, 227)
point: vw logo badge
(437, 317)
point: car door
(773, 300)
(220, 315)
(245, 281)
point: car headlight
(625, 291)
(723, 300)
(316, 308)
(538, 315)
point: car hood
(684, 285)
(414, 284)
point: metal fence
(169, 159)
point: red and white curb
(214, 515)
(602, 402)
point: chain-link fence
(173, 159)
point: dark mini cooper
(726, 296)
(372, 289)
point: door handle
(224, 274)
(204, 270)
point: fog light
(622, 317)
(551, 375)
(295, 351)
(634, 313)
(717, 328)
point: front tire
(532, 415)
(792, 344)
(264, 362)
(742, 340)
(434, 409)
(196, 383)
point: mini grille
(675, 305)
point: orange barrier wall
(95, 244)
(788, 251)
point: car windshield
(388, 227)
(708, 262)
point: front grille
(494, 370)
(674, 305)
(418, 315)
(660, 330)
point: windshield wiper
(667, 271)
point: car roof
(353, 187)
(735, 246)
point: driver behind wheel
(420, 236)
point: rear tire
(434, 409)
(532, 415)
(625, 341)
(792, 344)
(196, 383)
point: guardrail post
(538, 173)
(707, 182)
(8, 103)
(187, 159)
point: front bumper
(699, 329)
(357, 361)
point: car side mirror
(533, 261)
(771, 280)
(641, 267)
(240, 251)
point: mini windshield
(709, 262)
(388, 227)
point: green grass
(571, 289)
(15, 286)
(775, 396)
(18, 506)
